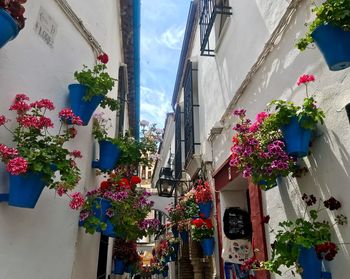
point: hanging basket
(119, 267)
(310, 263)
(99, 209)
(109, 156)
(205, 208)
(25, 190)
(334, 44)
(83, 109)
(208, 246)
(296, 138)
(9, 28)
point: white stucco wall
(45, 242)
(249, 29)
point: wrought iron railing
(209, 9)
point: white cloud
(155, 105)
(172, 37)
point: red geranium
(124, 183)
(135, 180)
(203, 192)
(103, 58)
(105, 185)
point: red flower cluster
(36, 122)
(17, 166)
(77, 200)
(103, 58)
(305, 79)
(199, 222)
(44, 103)
(327, 250)
(251, 263)
(203, 192)
(76, 154)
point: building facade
(242, 54)
(59, 37)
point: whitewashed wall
(248, 30)
(45, 242)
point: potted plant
(203, 198)
(303, 243)
(39, 158)
(103, 209)
(92, 89)
(174, 242)
(258, 151)
(202, 230)
(11, 19)
(176, 214)
(297, 122)
(330, 30)
(109, 148)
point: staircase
(185, 266)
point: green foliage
(99, 83)
(308, 114)
(334, 12)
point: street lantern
(166, 182)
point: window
(209, 11)
(178, 143)
(191, 112)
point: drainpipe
(137, 27)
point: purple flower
(83, 215)
(240, 112)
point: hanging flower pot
(175, 231)
(173, 257)
(99, 210)
(9, 28)
(334, 44)
(184, 236)
(110, 230)
(25, 190)
(83, 108)
(297, 139)
(208, 246)
(310, 263)
(119, 267)
(267, 185)
(205, 208)
(175, 247)
(165, 273)
(109, 156)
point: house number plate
(46, 27)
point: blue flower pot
(25, 190)
(264, 185)
(9, 28)
(99, 210)
(173, 257)
(205, 208)
(334, 44)
(119, 267)
(165, 273)
(109, 156)
(109, 231)
(207, 246)
(83, 109)
(175, 231)
(297, 139)
(184, 236)
(310, 263)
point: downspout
(137, 28)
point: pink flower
(103, 58)
(20, 106)
(305, 79)
(72, 132)
(77, 121)
(76, 154)
(17, 166)
(44, 122)
(77, 201)
(7, 152)
(66, 114)
(43, 103)
(61, 191)
(3, 120)
(21, 97)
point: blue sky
(162, 28)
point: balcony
(209, 9)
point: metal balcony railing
(209, 9)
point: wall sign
(46, 27)
(237, 223)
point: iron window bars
(209, 9)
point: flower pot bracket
(4, 197)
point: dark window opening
(102, 257)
